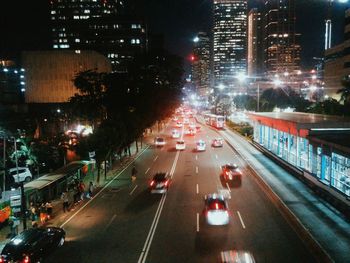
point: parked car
(175, 134)
(24, 174)
(32, 245)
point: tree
(345, 91)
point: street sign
(92, 154)
(16, 209)
(15, 200)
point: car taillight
(26, 259)
(166, 182)
(2, 260)
(152, 183)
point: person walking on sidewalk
(90, 190)
(49, 208)
(133, 173)
(64, 198)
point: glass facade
(329, 167)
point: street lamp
(277, 82)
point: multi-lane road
(125, 223)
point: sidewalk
(58, 216)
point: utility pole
(258, 100)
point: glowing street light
(277, 82)
(241, 77)
(221, 86)
(196, 39)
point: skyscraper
(230, 40)
(282, 48)
(201, 62)
(102, 26)
(255, 42)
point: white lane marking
(148, 242)
(228, 187)
(155, 159)
(197, 189)
(147, 170)
(110, 221)
(240, 219)
(216, 156)
(196, 157)
(133, 190)
(197, 222)
(196, 169)
(98, 193)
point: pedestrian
(133, 173)
(64, 198)
(91, 189)
(49, 208)
(81, 190)
(43, 213)
(33, 216)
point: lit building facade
(49, 74)
(102, 26)
(337, 63)
(12, 83)
(201, 63)
(282, 48)
(255, 43)
(229, 40)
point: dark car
(160, 183)
(231, 172)
(32, 245)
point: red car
(231, 172)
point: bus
(216, 121)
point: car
(200, 146)
(216, 210)
(180, 145)
(231, 172)
(24, 174)
(190, 131)
(160, 183)
(175, 134)
(198, 128)
(218, 142)
(186, 121)
(159, 141)
(179, 124)
(192, 126)
(235, 256)
(32, 245)
(175, 119)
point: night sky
(25, 24)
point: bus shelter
(50, 186)
(318, 145)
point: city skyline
(178, 26)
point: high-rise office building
(255, 43)
(230, 40)
(101, 26)
(201, 62)
(282, 48)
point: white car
(216, 210)
(179, 124)
(180, 145)
(158, 141)
(186, 121)
(200, 146)
(24, 174)
(218, 142)
(175, 134)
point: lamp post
(328, 22)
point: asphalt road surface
(126, 223)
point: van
(24, 174)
